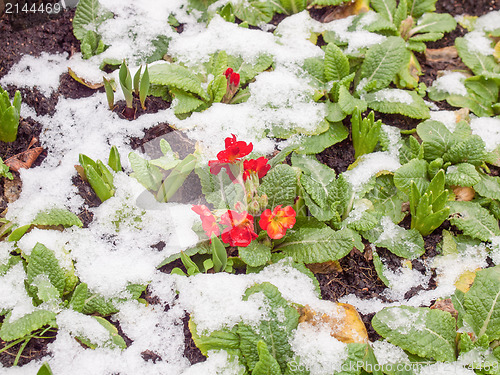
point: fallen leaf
(463, 193)
(343, 11)
(445, 305)
(93, 86)
(465, 280)
(325, 268)
(441, 54)
(12, 188)
(24, 159)
(344, 322)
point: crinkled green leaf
(255, 12)
(78, 298)
(217, 89)
(315, 144)
(349, 103)
(383, 61)
(473, 102)
(144, 172)
(488, 186)
(473, 220)
(386, 198)
(256, 254)
(436, 138)
(476, 61)
(380, 268)
(185, 102)
(267, 364)
(280, 186)
(463, 174)
(26, 324)
(42, 261)
(385, 8)
(89, 15)
(98, 304)
(482, 303)
(415, 170)
(390, 101)
(293, 6)
(434, 23)
(274, 330)
(470, 150)
(312, 245)
(336, 63)
(57, 216)
(417, 8)
(217, 340)
(421, 331)
(176, 76)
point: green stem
(21, 349)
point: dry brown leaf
(344, 322)
(463, 193)
(343, 11)
(445, 305)
(326, 267)
(465, 280)
(441, 54)
(12, 188)
(24, 159)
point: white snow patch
(386, 353)
(451, 83)
(394, 96)
(447, 118)
(41, 72)
(319, 352)
(488, 22)
(218, 363)
(488, 128)
(13, 295)
(478, 42)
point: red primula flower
(208, 221)
(240, 230)
(232, 76)
(258, 166)
(228, 72)
(278, 221)
(233, 152)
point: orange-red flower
(208, 221)
(276, 222)
(232, 154)
(232, 77)
(257, 166)
(240, 230)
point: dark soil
(358, 275)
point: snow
(447, 118)
(394, 96)
(451, 83)
(478, 42)
(13, 294)
(319, 352)
(386, 353)
(488, 128)
(487, 22)
(43, 71)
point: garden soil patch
(358, 275)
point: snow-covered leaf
(57, 216)
(474, 220)
(403, 102)
(89, 15)
(26, 324)
(463, 174)
(42, 261)
(418, 330)
(178, 77)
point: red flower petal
(240, 230)
(276, 223)
(258, 166)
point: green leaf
(219, 254)
(315, 144)
(267, 364)
(476, 61)
(418, 330)
(116, 340)
(349, 103)
(144, 87)
(471, 150)
(217, 340)
(177, 77)
(255, 12)
(89, 15)
(313, 245)
(386, 198)
(45, 370)
(280, 186)
(463, 174)
(144, 172)
(79, 297)
(256, 254)
(336, 63)
(102, 190)
(9, 120)
(4, 170)
(185, 102)
(383, 61)
(365, 133)
(42, 261)
(403, 102)
(434, 23)
(477, 105)
(482, 304)
(98, 304)
(488, 186)
(413, 171)
(274, 330)
(219, 190)
(436, 139)
(26, 324)
(57, 216)
(474, 220)
(385, 8)
(417, 8)
(380, 268)
(217, 88)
